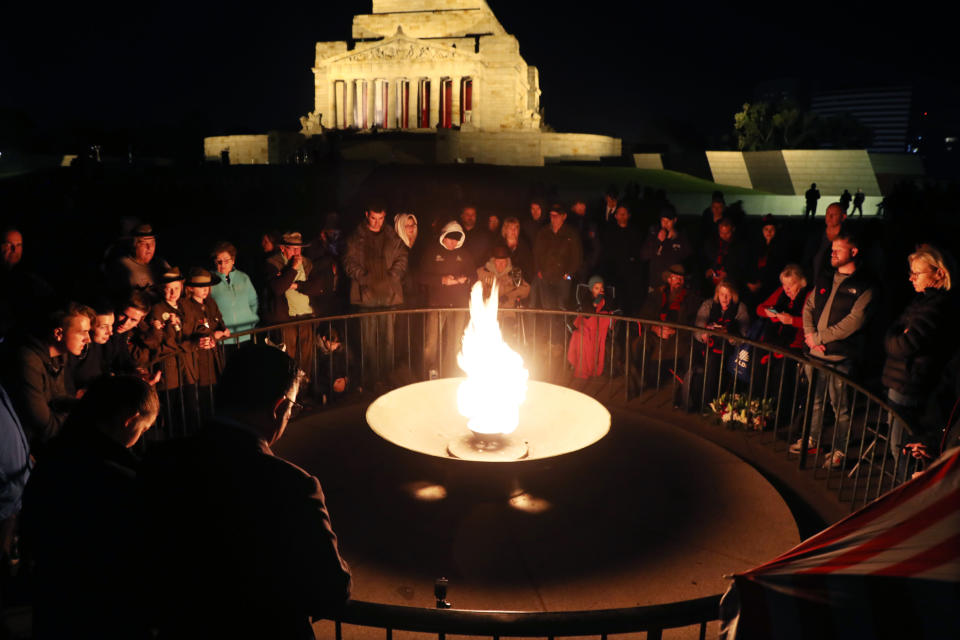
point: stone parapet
(729, 167)
(648, 160)
(252, 149)
(433, 24)
(832, 169)
(792, 171)
(579, 146)
(390, 6)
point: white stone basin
(423, 417)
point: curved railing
(652, 619)
(770, 391)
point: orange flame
(496, 383)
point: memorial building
(441, 68)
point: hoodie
(440, 262)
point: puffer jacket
(919, 344)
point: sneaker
(797, 447)
(834, 460)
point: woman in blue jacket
(234, 294)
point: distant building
(441, 72)
(886, 111)
(424, 65)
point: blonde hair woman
(920, 342)
(784, 310)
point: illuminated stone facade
(423, 65)
(443, 78)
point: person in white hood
(447, 272)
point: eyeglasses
(295, 408)
(917, 274)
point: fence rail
(652, 619)
(777, 393)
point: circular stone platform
(648, 514)
(423, 417)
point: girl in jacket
(203, 328)
(163, 334)
(919, 343)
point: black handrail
(654, 618)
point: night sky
(632, 69)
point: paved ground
(650, 514)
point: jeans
(376, 335)
(442, 357)
(838, 393)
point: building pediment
(401, 48)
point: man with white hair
(139, 270)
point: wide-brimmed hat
(170, 275)
(674, 270)
(200, 277)
(143, 231)
(293, 239)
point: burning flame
(496, 383)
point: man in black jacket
(80, 517)
(834, 316)
(243, 538)
(37, 381)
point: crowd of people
(83, 376)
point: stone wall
(275, 147)
(388, 6)
(585, 146)
(729, 167)
(648, 160)
(522, 148)
(242, 149)
(792, 171)
(762, 204)
(518, 148)
(768, 172)
(426, 25)
(832, 169)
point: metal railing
(779, 396)
(653, 620)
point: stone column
(329, 116)
(455, 101)
(351, 91)
(434, 102)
